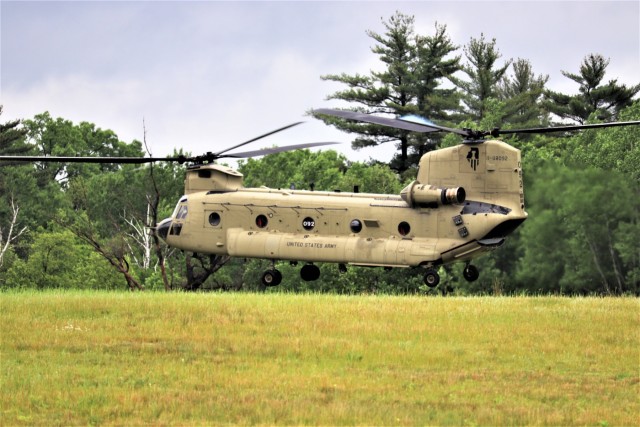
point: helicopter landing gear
(431, 278)
(271, 277)
(471, 273)
(342, 268)
(309, 272)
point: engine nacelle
(430, 196)
(211, 177)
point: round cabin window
(404, 228)
(261, 221)
(214, 219)
(308, 223)
(356, 226)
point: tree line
(91, 226)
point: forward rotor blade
(563, 128)
(273, 150)
(219, 154)
(65, 159)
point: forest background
(89, 226)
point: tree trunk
(12, 235)
(594, 253)
(115, 258)
(208, 266)
(153, 220)
(614, 261)
(156, 240)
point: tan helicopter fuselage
(465, 200)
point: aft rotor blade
(219, 154)
(68, 159)
(424, 122)
(563, 128)
(409, 123)
(273, 150)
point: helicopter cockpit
(173, 225)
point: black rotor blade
(273, 150)
(424, 122)
(219, 154)
(376, 120)
(497, 132)
(67, 159)
(419, 124)
(409, 123)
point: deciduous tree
(572, 239)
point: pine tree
(605, 100)
(484, 76)
(433, 102)
(12, 139)
(522, 95)
(408, 84)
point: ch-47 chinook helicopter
(464, 202)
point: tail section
(490, 173)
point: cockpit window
(182, 212)
(175, 211)
(176, 229)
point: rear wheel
(309, 272)
(471, 273)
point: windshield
(180, 211)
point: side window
(214, 219)
(404, 228)
(261, 221)
(308, 223)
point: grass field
(167, 359)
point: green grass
(120, 358)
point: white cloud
(209, 75)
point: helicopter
(465, 202)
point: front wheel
(431, 278)
(271, 278)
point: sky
(207, 75)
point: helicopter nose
(163, 228)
